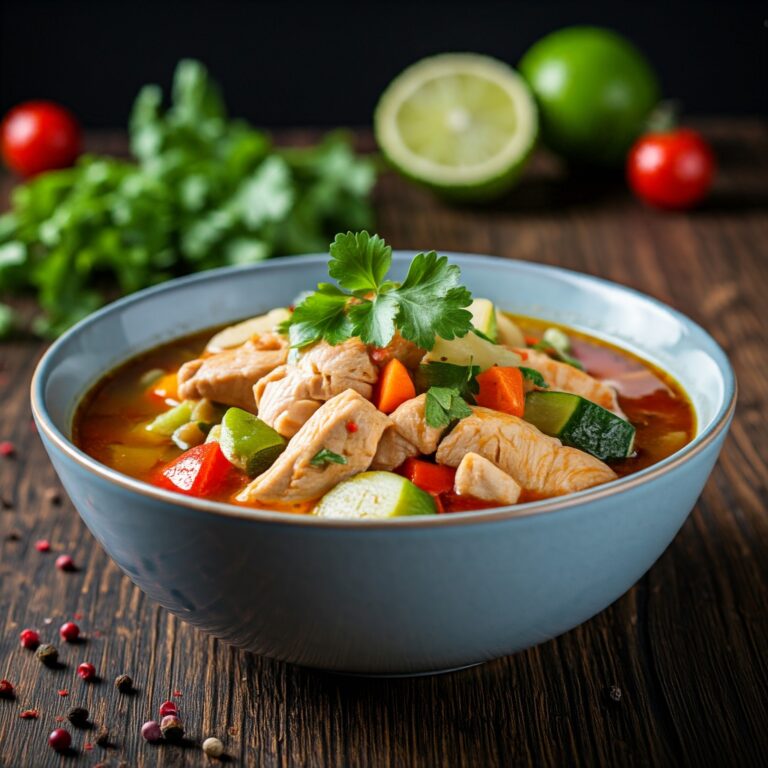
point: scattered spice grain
(124, 683)
(78, 716)
(213, 747)
(48, 654)
(172, 728)
(6, 689)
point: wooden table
(674, 673)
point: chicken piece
(408, 353)
(562, 377)
(292, 393)
(537, 462)
(480, 478)
(294, 478)
(228, 377)
(409, 436)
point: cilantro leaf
(322, 315)
(462, 378)
(324, 456)
(374, 321)
(431, 301)
(444, 405)
(534, 376)
(359, 261)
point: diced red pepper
(200, 471)
(432, 478)
(454, 502)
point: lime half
(460, 123)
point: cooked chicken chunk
(401, 349)
(562, 377)
(228, 377)
(480, 478)
(409, 436)
(537, 462)
(292, 393)
(294, 478)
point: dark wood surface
(674, 673)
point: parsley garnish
(534, 376)
(444, 405)
(558, 354)
(450, 376)
(324, 456)
(428, 303)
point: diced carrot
(394, 387)
(164, 388)
(501, 389)
(200, 471)
(531, 341)
(432, 478)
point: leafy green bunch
(204, 191)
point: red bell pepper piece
(432, 478)
(200, 471)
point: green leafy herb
(428, 303)
(444, 405)
(204, 191)
(458, 377)
(534, 376)
(558, 354)
(482, 335)
(324, 456)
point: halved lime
(460, 123)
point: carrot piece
(165, 388)
(501, 388)
(531, 341)
(432, 478)
(394, 387)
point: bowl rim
(719, 423)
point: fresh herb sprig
(430, 301)
(461, 378)
(444, 405)
(204, 191)
(324, 456)
(534, 377)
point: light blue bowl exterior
(407, 596)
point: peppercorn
(172, 728)
(7, 448)
(48, 654)
(213, 747)
(29, 639)
(69, 631)
(168, 708)
(65, 563)
(102, 736)
(6, 689)
(151, 731)
(123, 683)
(78, 716)
(60, 740)
(43, 545)
(86, 671)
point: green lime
(459, 123)
(595, 91)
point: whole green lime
(595, 91)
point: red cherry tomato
(671, 170)
(39, 136)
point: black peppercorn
(102, 736)
(172, 728)
(124, 684)
(48, 654)
(78, 716)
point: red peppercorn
(69, 631)
(42, 545)
(7, 448)
(65, 563)
(29, 714)
(86, 671)
(168, 708)
(29, 639)
(63, 692)
(6, 689)
(60, 739)
(351, 427)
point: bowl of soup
(384, 508)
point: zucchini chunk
(249, 443)
(375, 495)
(580, 423)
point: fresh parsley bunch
(430, 301)
(204, 191)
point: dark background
(325, 63)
